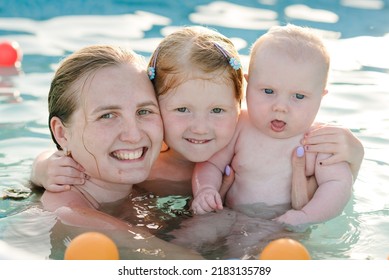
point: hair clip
(151, 72)
(151, 69)
(233, 61)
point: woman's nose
(130, 131)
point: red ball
(10, 54)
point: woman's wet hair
(65, 94)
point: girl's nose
(199, 125)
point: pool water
(356, 32)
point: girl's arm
(56, 172)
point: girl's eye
(217, 110)
(107, 116)
(182, 109)
(268, 91)
(299, 96)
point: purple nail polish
(227, 170)
(300, 151)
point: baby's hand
(293, 218)
(207, 200)
(62, 171)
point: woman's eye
(107, 116)
(182, 109)
(268, 91)
(217, 110)
(144, 112)
(299, 96)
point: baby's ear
(246, 76)
(59, 131)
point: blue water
(357, 34)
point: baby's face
(199, 117)
(284, 94)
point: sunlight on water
(364, 4)
(306, 13)
(355, 31)
(235, 16)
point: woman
(103, 112)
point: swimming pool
(357, 33)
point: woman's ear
(59, 131)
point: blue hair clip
(151, 72)
(233, 61)
(151, 69)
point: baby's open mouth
(277, 125)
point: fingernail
(300, 151)
(227, 170)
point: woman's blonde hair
(195, 52)
(65, 93)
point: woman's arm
(303, 186)
(72, 209)
(338, 141)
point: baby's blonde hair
(296, 41)
(191, 53)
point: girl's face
(116, 133)
(283, 94)
(199, 117)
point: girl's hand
(206, 200)
(57, 172)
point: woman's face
(116, 133)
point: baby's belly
(269, 192)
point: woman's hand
(228, 179)
(303, 187)
(56, 172)
(336, 140)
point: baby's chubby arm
(334, 191)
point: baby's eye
(268, 91)
(217, 110)
(182, 109)
(299, 96)
(107, 116)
